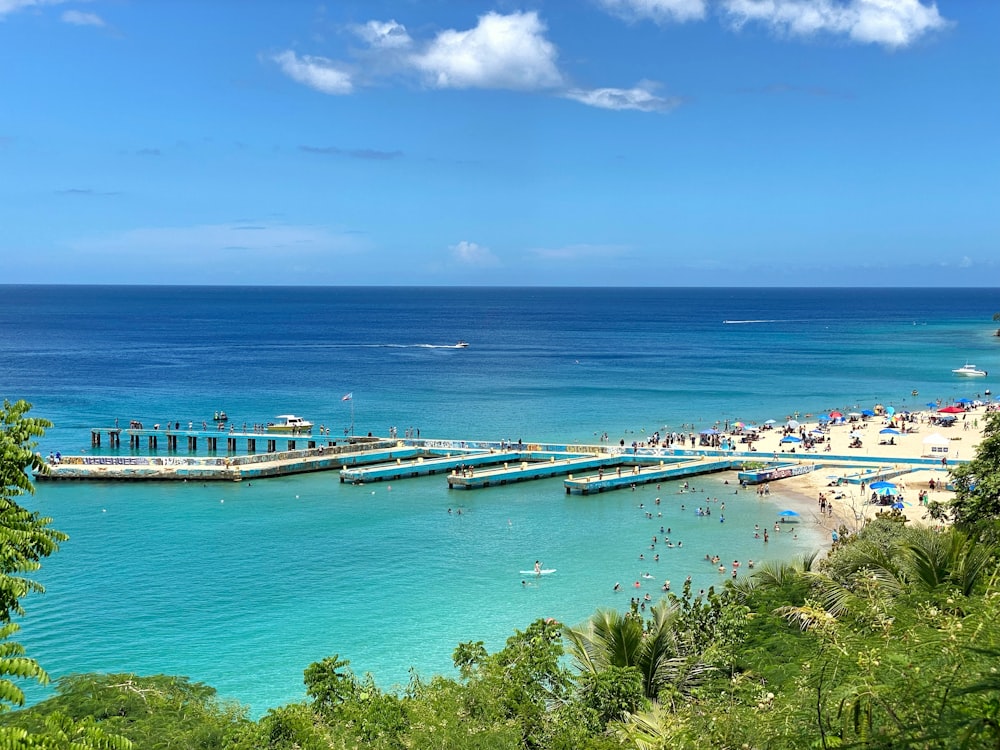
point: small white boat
(970, 370)
(461, 345)
(290, 424)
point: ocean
(243, 585)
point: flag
(347, 396)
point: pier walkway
(426, 465)
(468, 464)
(639, 474)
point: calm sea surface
(244, 585)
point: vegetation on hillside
(892, 641)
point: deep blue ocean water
(243, 585)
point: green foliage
(977, 483)
(613, 693)
(25, 537)
(330, 683)
(154, 712)
(291, 727)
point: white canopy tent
(936, 445)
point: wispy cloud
(500, 52)
(383, 34)
(80, 18)
(196, 240)
(572, 253)
(85, 191)
(355, 153)
(660, 11)
(10, 6)
(639, 98)
(318, 73)
(892, 23)
(472, 254)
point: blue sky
(595, 142)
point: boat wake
(747, 322)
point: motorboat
(290, 424)
(220, 416)
(970, 371)
(462, 345)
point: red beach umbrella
(835, 415)
(951, 410)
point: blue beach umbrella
(931, 405)
(867, 413)
(886, 491)
(897, 505)
(889, 431)
(881, 485)
(791, 439)
(824, 417)
(963, 401)
(788, 513)
(710, 431)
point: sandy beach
(851, 507)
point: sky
(535, 143)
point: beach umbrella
(882, 485)
(854, 414)
(890, 410)
(889, 431)
(867, 413)
(788, 513)
(931, 404)
(885, 491)
(963, 401)
(835, 415)
(792, 423)
(817, 432)
(791, 439)
(824, 418)
(857, 434)
(951, 410)
(710, 431)
(741, 425)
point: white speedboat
(462, 345)
(290, 424)
(969, 370)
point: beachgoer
(538, 568)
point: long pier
(589, 469)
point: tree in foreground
(25, 539)
(977, 484)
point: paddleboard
(544, 572)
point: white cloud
(893, 23)
(501, 52)
(9, 6)
(79, 18)
(384, 34)
(471, 254)
(640, 98)
(661, 11)
(316, 72)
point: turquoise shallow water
(243, 585)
